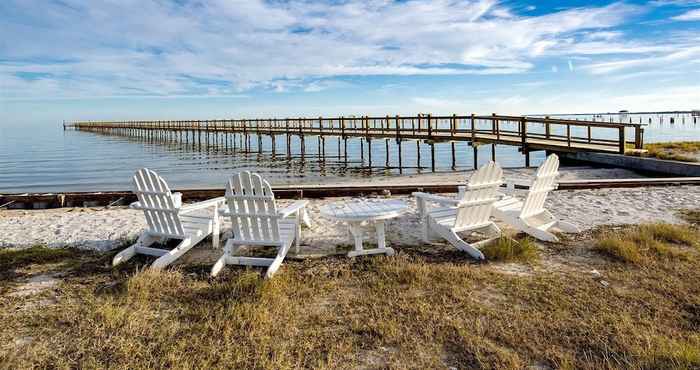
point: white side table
(360, 212)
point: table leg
(356, 232)
(381, 239)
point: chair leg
(219, 265)
(216, 229)
(567, 227)
(540, 234)
(297, 236)
(562, 225)
(460, 244)
(305, 217)
(277, 262)
(427, 233)
(144, 240)
(174, 254)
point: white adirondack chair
(168, 218)
(255, 221)
(470, 211)
(530, 216)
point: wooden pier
(527, 133)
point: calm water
(44, 158)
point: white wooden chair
(255, 221)
(168, 218)
(530, 216)
(470, 211)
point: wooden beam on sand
(120, 198)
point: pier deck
(527, 133)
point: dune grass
(406, 311)
(683, 151)
(511, 250)
(640, 244)
(691, 216)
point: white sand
(104, 229)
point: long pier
(527, 133)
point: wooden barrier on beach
(527, 133)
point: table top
(364, 209)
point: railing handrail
(378, 118)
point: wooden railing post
(366, 123)
(473, 129)
(430, 128)
(398, 130)
(547, 128)
(638, 130)
(622, 139)
(494, 127)
(523, 132)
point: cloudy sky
(71, 59)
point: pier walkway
(527, 133)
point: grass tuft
(691, 216)
(677, 234)
(638, 244)
(509, 250)
(620, 249)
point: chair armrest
(215, 202)
(177, 200)
(293, 208)
(135, 205)
(436, 199)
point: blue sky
(69, 59)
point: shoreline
(103, 229)
(515, 174)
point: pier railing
(528, 133)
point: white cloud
(571, 66)
(663, 61)
(225, 47)
(691, 15)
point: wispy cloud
(691, 15)
(220, 47)
(663, 61)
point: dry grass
(511, 250)
(641, 244)
(10, 259)
(684, 151)
(691, 216)
(407, 311)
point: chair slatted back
(157, 202)
(476, 202)
(252, 209)
(545, 181)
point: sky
(170, 59)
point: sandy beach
(104, 229)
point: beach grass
(691, 216)
(506, 249)
(413, 310)
(644, 243)
(684, 151)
